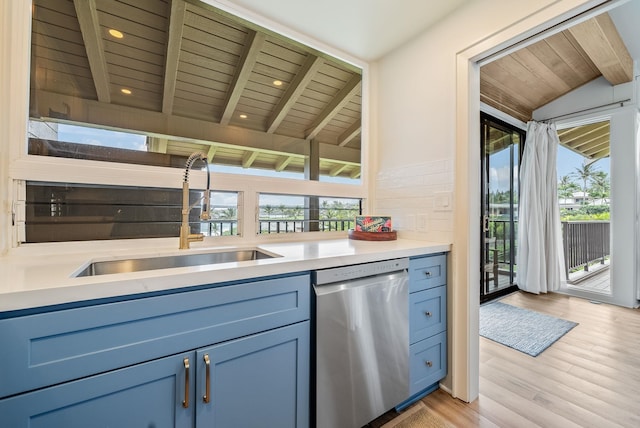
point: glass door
(501, 149)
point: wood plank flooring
(588, 378)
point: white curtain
(540, 257)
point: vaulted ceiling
(529, 78)
(195, 78)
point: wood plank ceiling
(242, 94)
(525, 80)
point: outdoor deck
(600, 282)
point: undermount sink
(164, 262)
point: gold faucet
(186, 237)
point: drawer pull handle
(429, 314)
(185, 402)
(207, 380)
(428, 274)
(429, 364)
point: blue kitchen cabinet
(135, 363)
(427, 325)
(258, 381)
(145, 395)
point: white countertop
(31, 280)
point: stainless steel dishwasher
(362, 342)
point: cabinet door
(256, 381)
(145, 395)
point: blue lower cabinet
(141, 363)
(427, 325)
(258, 381)
(145, 395)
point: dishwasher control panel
(347, 273)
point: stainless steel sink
(164, 262)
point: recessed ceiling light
(115, 33)
(277, 82)
(243, 116)
(126, 91)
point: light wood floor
(588, 378)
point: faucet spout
(186, 237)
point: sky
(569, 160)
(567, 163)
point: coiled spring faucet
(186, 236)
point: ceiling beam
(337, 170)
(253, 45)
(352, 132)
(605, 153)
(211, 153)
(248, 158)
(600, 39)
(306, 73)
(52, 105)
(172, 58)
(92, 35)
(339, 101)
(283, 162)
(570, 134)
(589, 141)
(595, 147)
(157, 144)
(355, 173)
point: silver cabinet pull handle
(207, 390)
(185, 402)
(429, 314)
(429, 364)
(428, 274)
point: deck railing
(585, 242)
(297, 225)
(501, 231)
(230, 227)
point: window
(290, 214)
(78, 212)
(260, 106)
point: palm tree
(600, 185)
(567, 187)
(268, 211)
(584, 173)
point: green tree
(584, 173)
(268, 211)
(600, 185)
(567, 187)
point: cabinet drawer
(427, 362)
(427, 272)
(428, 313)
(49, 348)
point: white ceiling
(365, 29)
(369, 29)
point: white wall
(623, 143)
(426, 134)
